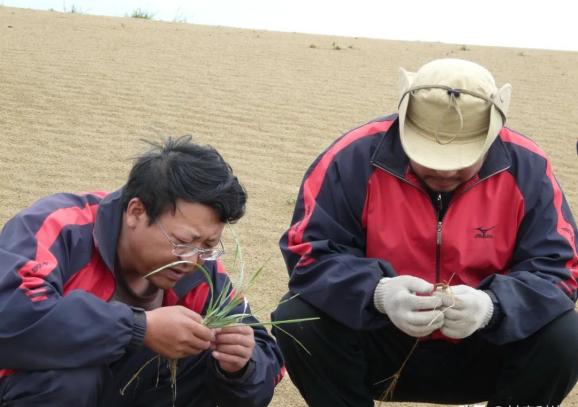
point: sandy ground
(78, 92)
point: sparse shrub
(140, 13)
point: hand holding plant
(226, 327)
(408, 303)
(175, 332)
(233, 347)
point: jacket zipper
(439, 211)
(438, 237)
(439, 208)
(439, 223)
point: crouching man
(78, 318)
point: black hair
(180, 169)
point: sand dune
(77, 93)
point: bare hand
(233, 347)
(175, 332)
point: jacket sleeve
(324, 249)
(541, 283)
(41, 328)
(265, 369)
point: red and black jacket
(362, 214)
(56, 282)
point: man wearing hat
(437, 244)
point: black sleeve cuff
(238, 377)
(138, 329)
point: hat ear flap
(405, 80)
(502, 99)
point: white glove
(468, 310)
(413, 314)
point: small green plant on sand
(140, 13)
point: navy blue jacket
(362, 214)
(56, 281)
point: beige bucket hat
(450, 113)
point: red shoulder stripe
(94, 278)
(563, 227)
(312, 186)
(196, 298)
(34, 272)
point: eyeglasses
(185, 250)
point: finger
(417, 285)
(233, 339)
(456, 301)
(190, 351)
(416, 302)
(191, 347)
(194, 343)
(449, 300)
(239, 329)
(447, 297)
(235, 350)
(419, 331)
(452, 314)
(424, 318)
(454, 332)
(460, 289)
(227, 358)
(437, 323)
(190, 314)
(236, 329)
(457, 327)
(202, 332)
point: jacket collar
(390, 156)
(107, 227)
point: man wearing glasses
(79, 318)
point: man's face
(445, 181)
(148, 248)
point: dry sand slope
(78, 92)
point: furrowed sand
(79, 92)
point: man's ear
(135, 213)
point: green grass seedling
(219, 310)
